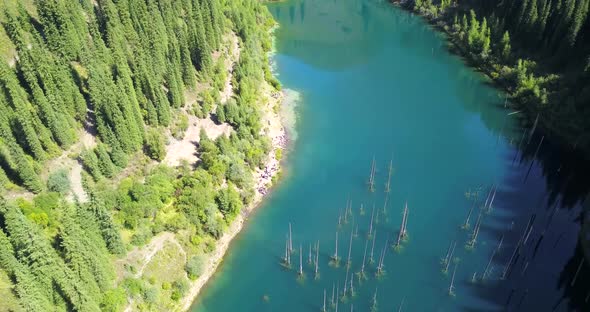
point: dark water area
(376, 82)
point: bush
(40, 218)
(208, 102)
(175, 295)
(113, 300)
(239, 174)
(195, 266)
(133, 286)
(180, 126)
(181, 285)
(275, 83)
(150, 295)
(278, 154)
(155, 145)
(179, 289)
(58, 181)
(229, 201)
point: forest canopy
(120, 71)
(539, 50)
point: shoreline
(528, 116)
(278, 135)
(275, 130)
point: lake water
(376, 82)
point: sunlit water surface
(376, 81)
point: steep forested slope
(538, 49)
(119, 71)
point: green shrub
(155, 144)
(59, 181)
(150, 295)
(113, 300)
(195, 266)
(179, 289)
(133, 286)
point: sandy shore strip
(276, 132)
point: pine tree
(108, 229)
(17, 100)
(505, 46)
(63, 35)
(464, 28)
(77, 253)
(32, 298)
(531, 18)
(579, 17)
(91, 164)
(522, 14)
(542, 21)
(560, 37)
(417, 4)
(34, 251)
(105, 164)
(474, 34)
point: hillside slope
(123, 121)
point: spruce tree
(107, 168)
(32, 298)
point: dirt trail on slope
(276, 132)
(142, 256)
(186, 148)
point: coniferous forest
(128, 75)
(120, 70)
(538, 50)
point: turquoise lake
(376, 82)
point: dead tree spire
(346, 281)
(577, 272)
(300, 260)
(517, 248)
(485, 205)
(450, 257)
(388, 184)
(364, 258)
(447, 255)
(405, 227)
(382, 258)
(402, 229)
(335, 257)
(466, 224)
(452, 285)
(401, 305)
(372, 176)
(374, 302)
(471, 243)
(348, 261)
(385, 204)
(373, 246)
(317, 259)
(286, 258)
(371, 223)
(492, 200)
(290, 238)
(333, 287)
